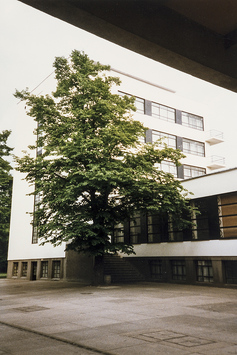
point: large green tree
(5, 197)
(93, 172)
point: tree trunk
(98, 278)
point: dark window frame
(204, 271)
(178, 269)
(24, 269)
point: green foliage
(93, 172)
(5, 197)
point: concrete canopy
(198, 37)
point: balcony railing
(215, 137)
(216, 162)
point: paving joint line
(55, 338)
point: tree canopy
(93, 171)
(5, 197)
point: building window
(157, 228)
(156, 269)
(206, 221)
(192, 121)
(168, 167)
(193, 171)
(135, 229)
(24, 269)
(119, 233)
(168, 139)
(193, 147)
(139, 102)
(204, 271)
(140, 105)
(228, 215)
(56, 269)
(231, 271)
(178, 270)
(44, 269)
(35, 229)
(35, 235)
(15, 269)
(163, 112)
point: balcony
(215, 137)
(216, 162)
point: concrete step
(121, 270)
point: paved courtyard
(67, 318)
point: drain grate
(30, 309)
(169, 336)
(189, 342)
(162, 335)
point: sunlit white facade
(181, 123)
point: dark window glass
(119, 233)
(44, 269)
(178, 270)
(157, 228)
(204, 271)
(156, 269)
(24, 269)
(231, 271)
(56, 269)
(15, 269)
(135, 229)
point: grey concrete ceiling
(198, 37)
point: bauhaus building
(205, 253)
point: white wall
(195, 248)
(20, 246)
(171, 99)
(212, 184)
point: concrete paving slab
(148, 318)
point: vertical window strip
(24, 269)
(15, 269)
(35, 229)
(44, 269)
(135, 229)
(56, 269)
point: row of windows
(157, 228)
(184, 171)
(186, 145)
(167, 113)
(204, 270)
(44, 269)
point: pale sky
(30, 40)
